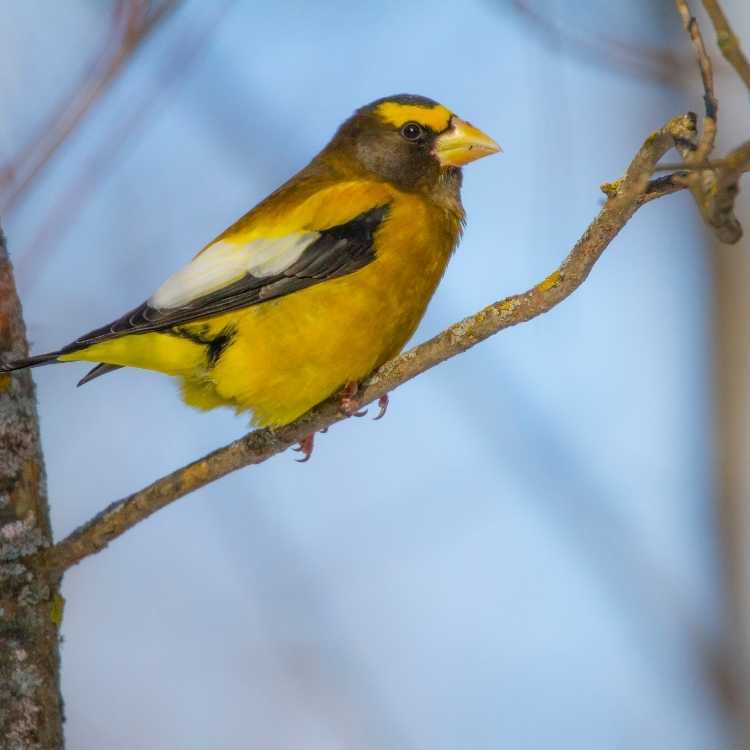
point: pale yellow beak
(463, 143)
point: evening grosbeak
(319, 284)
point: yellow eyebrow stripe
(437, 118)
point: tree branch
(727, 40)
(691, 151)
(625, 198)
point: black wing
(339, 251)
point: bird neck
(442, 189)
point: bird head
(409, 140)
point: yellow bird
(315, 287)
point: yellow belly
(289, 354)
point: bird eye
(412, 131)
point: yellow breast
(291, 353)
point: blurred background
(543, 544)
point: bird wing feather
(229, 276)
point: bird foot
(349, 407)
(305, 447)
(383, 402)
(349, 403)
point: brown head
(411, 141)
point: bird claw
(383, 406)
(349, 404)
(305, 447)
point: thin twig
(715, 164)
(260, 445)
(707, 75)
(661, 186)
(132, 23)
(727, 40)
(58, 222)
(616, 54)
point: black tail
(20, 364)
(49, 359)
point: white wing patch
(225, 262)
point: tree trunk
(30, 602)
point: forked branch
(714, 189)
